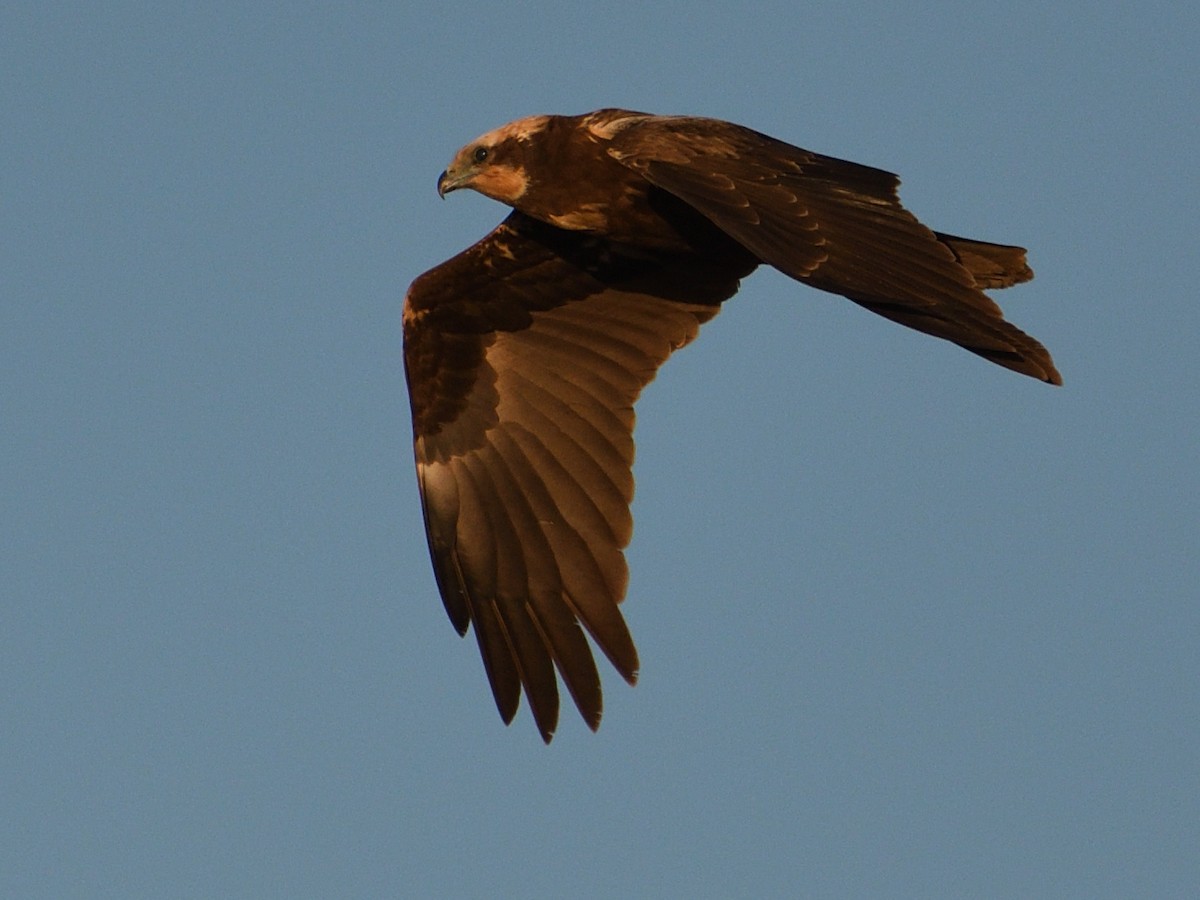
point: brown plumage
(525, 353)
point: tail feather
(992, 265)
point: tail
(992, 265)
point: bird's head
(494, 164)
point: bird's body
(525, 353)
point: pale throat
(504, 183)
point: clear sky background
(910, 624)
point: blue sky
(910, 624)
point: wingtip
(1044, 369)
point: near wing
(837, 226)
(524, 355)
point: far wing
(524, 356)
(837, 226)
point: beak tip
(441, 185)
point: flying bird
(524, 354)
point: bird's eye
(480, 154)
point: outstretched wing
(837, 226)
(524, 355)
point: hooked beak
(448, 182)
